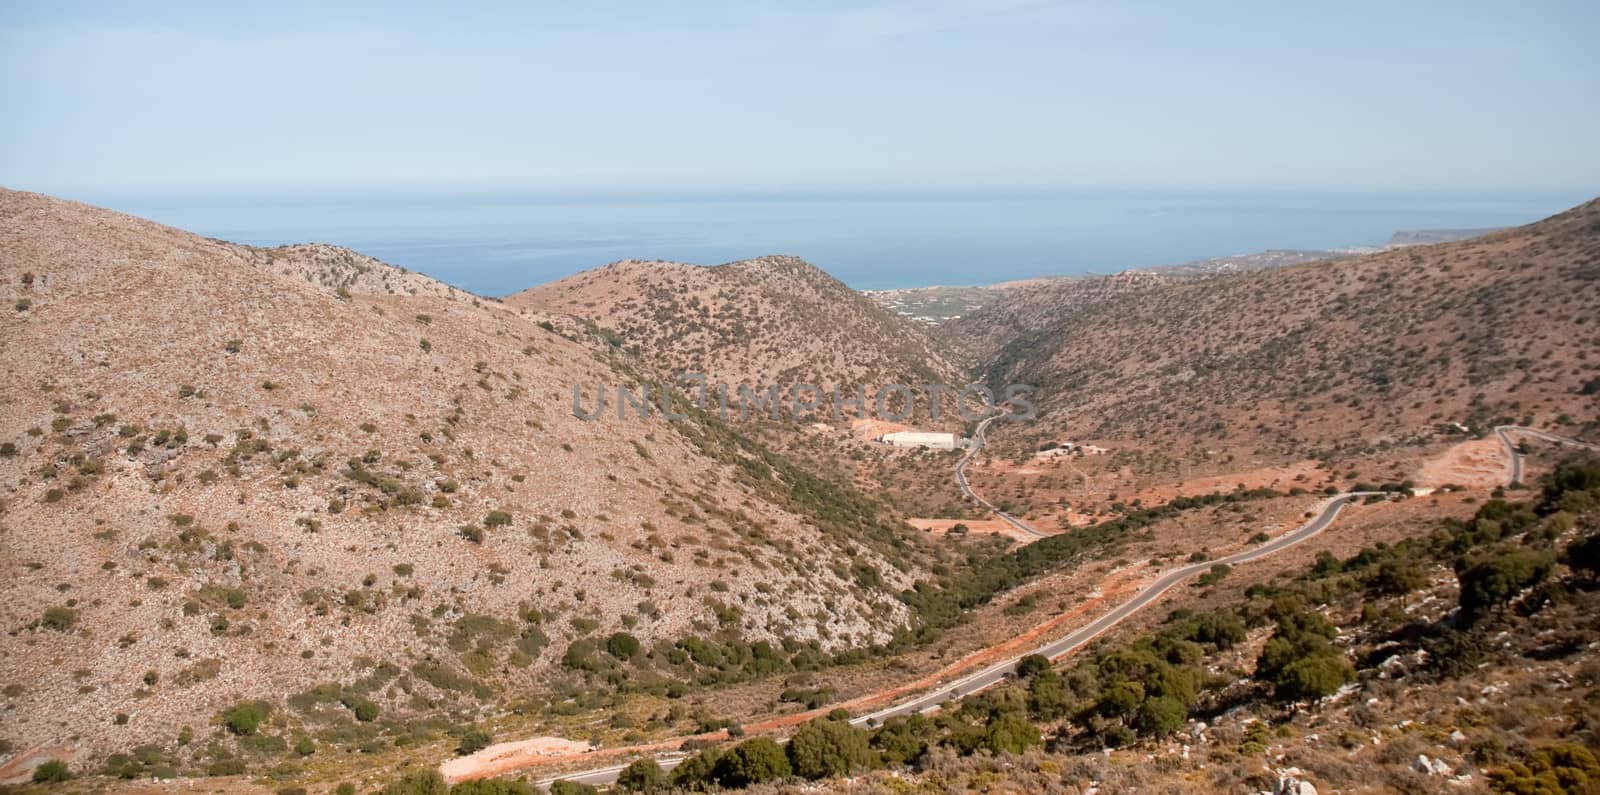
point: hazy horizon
(496, 244)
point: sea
(497, 244)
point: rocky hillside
(1316, 356)
(774, 320)
(303, 478)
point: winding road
(1504, 431)
(966, 488)
(999, 672)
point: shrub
(304, 746)
(823, 748)
(366, 710)
(752, 762)
(622, 646)
(51, 771)
(1032, 665)
(1011, 734)
(243, 719)
(473, 741)
(497, 519)
(1492, 580)
(59, 618)
(571, 788)
(419, 782)
(1161, 716)
(643, 775)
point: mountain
(228, 474)
(1320, 356)
(772, 320)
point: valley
(359, 534)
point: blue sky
(598, 97)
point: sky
(766, 97)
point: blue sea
(498, 244)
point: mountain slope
(1322, 355)
(230, 473)
(773, 320)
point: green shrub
(418, 782)
(643, 775)
(824, 748)
(51, 771)
(752, 762)
(1492, 579)
(244, 718)
(473, 741)
(571, 788)
(622, 646)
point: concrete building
(935, 441)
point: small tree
(1010, 734)
(644, 775)
(823, 748)
(1493, 580)
(571, 788)
(1161, 716)
(1032, 664)
(752, 762)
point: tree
(1032, 665)
(561, 787)
(823, 748)
(695, 772)
(51, 771)
(903, 741)
(1048, 696)
(1584, 554)
(752, 762)
(1397, 577)
(1120, 699)
(1011, 734)
(1313, 677)
(1493, 580)
(644, 775)
(1161, 716)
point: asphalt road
(1504, 431)
(966, 488)
(999, 672)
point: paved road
(1504, 431)
(998, 672)
(966, 488)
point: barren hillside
(773, 320)
(304, 477)
(1323, 356)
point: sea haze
(495, 245)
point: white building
(935, 441)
